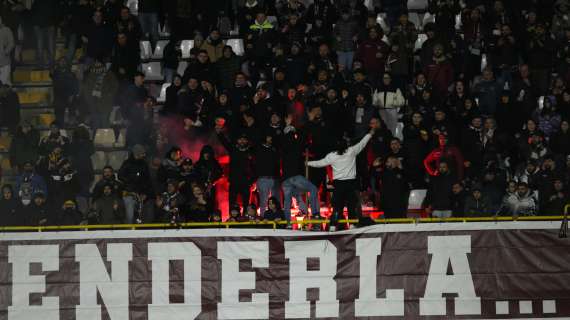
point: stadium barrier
(273, 224)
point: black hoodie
(209, 170)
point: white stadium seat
(422, 37)
(415, 18)
(428, 18)
(483, 61)
(104, 138)
(153, 71)
(116, 158)
(162, 97)
(182, 67)
(237, 46)
(417, 4)
(381, 20)
(121, 140)
(133, 5)
(399, 131)
(146, 51)
(416, 199)
(186, 46)
(99, 160)
(159, 50)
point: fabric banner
(507, 270)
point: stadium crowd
(478, 115)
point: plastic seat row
(106, 138)
(186, 45)
(115, 159)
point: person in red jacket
(373, 52)
(450, 154)
(439, 72)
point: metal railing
(272, 224)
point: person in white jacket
(343, 162)
(389, 99)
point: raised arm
(357, 148)
(320, 163)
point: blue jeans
(294, 187)
(149, 25)
(168, 74)
(45, 36)
(265, 185)
(71, 47)
(345, 58)
(130, 203)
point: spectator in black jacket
(98, 39)
(126, 58)
(10, 208)
(77, 20)
(458, 197)
(135, 176)
(108, 178)
(228, 66)
(170, 167)
(395, 189)
(65, 88)
(242, 175)
(438, 198)
(37, 213)
(130, 26)
(110, 209)
(171, 102)
(274, 211)
(148, 14)
(208, 170)
(267, 165)
(45, 16)
(201, 69)
(294, 181)
(9, 108)
(69, 215)
(172, 55)
(190, 98)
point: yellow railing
(271, 224)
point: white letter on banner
(300, 279)
(233, 280)
(445, 249)
(23, 283)
(161, 254)
(94, 278)
(367, 304)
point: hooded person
(207, 170)
(170, 167)
(135, 176)
(10, 208)
(476, 204)
(109, 208)
(69, 215)
(38, 213)
(29, 183)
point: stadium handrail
(272, 224)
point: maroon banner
(508, 270)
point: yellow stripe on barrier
(273, 224)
